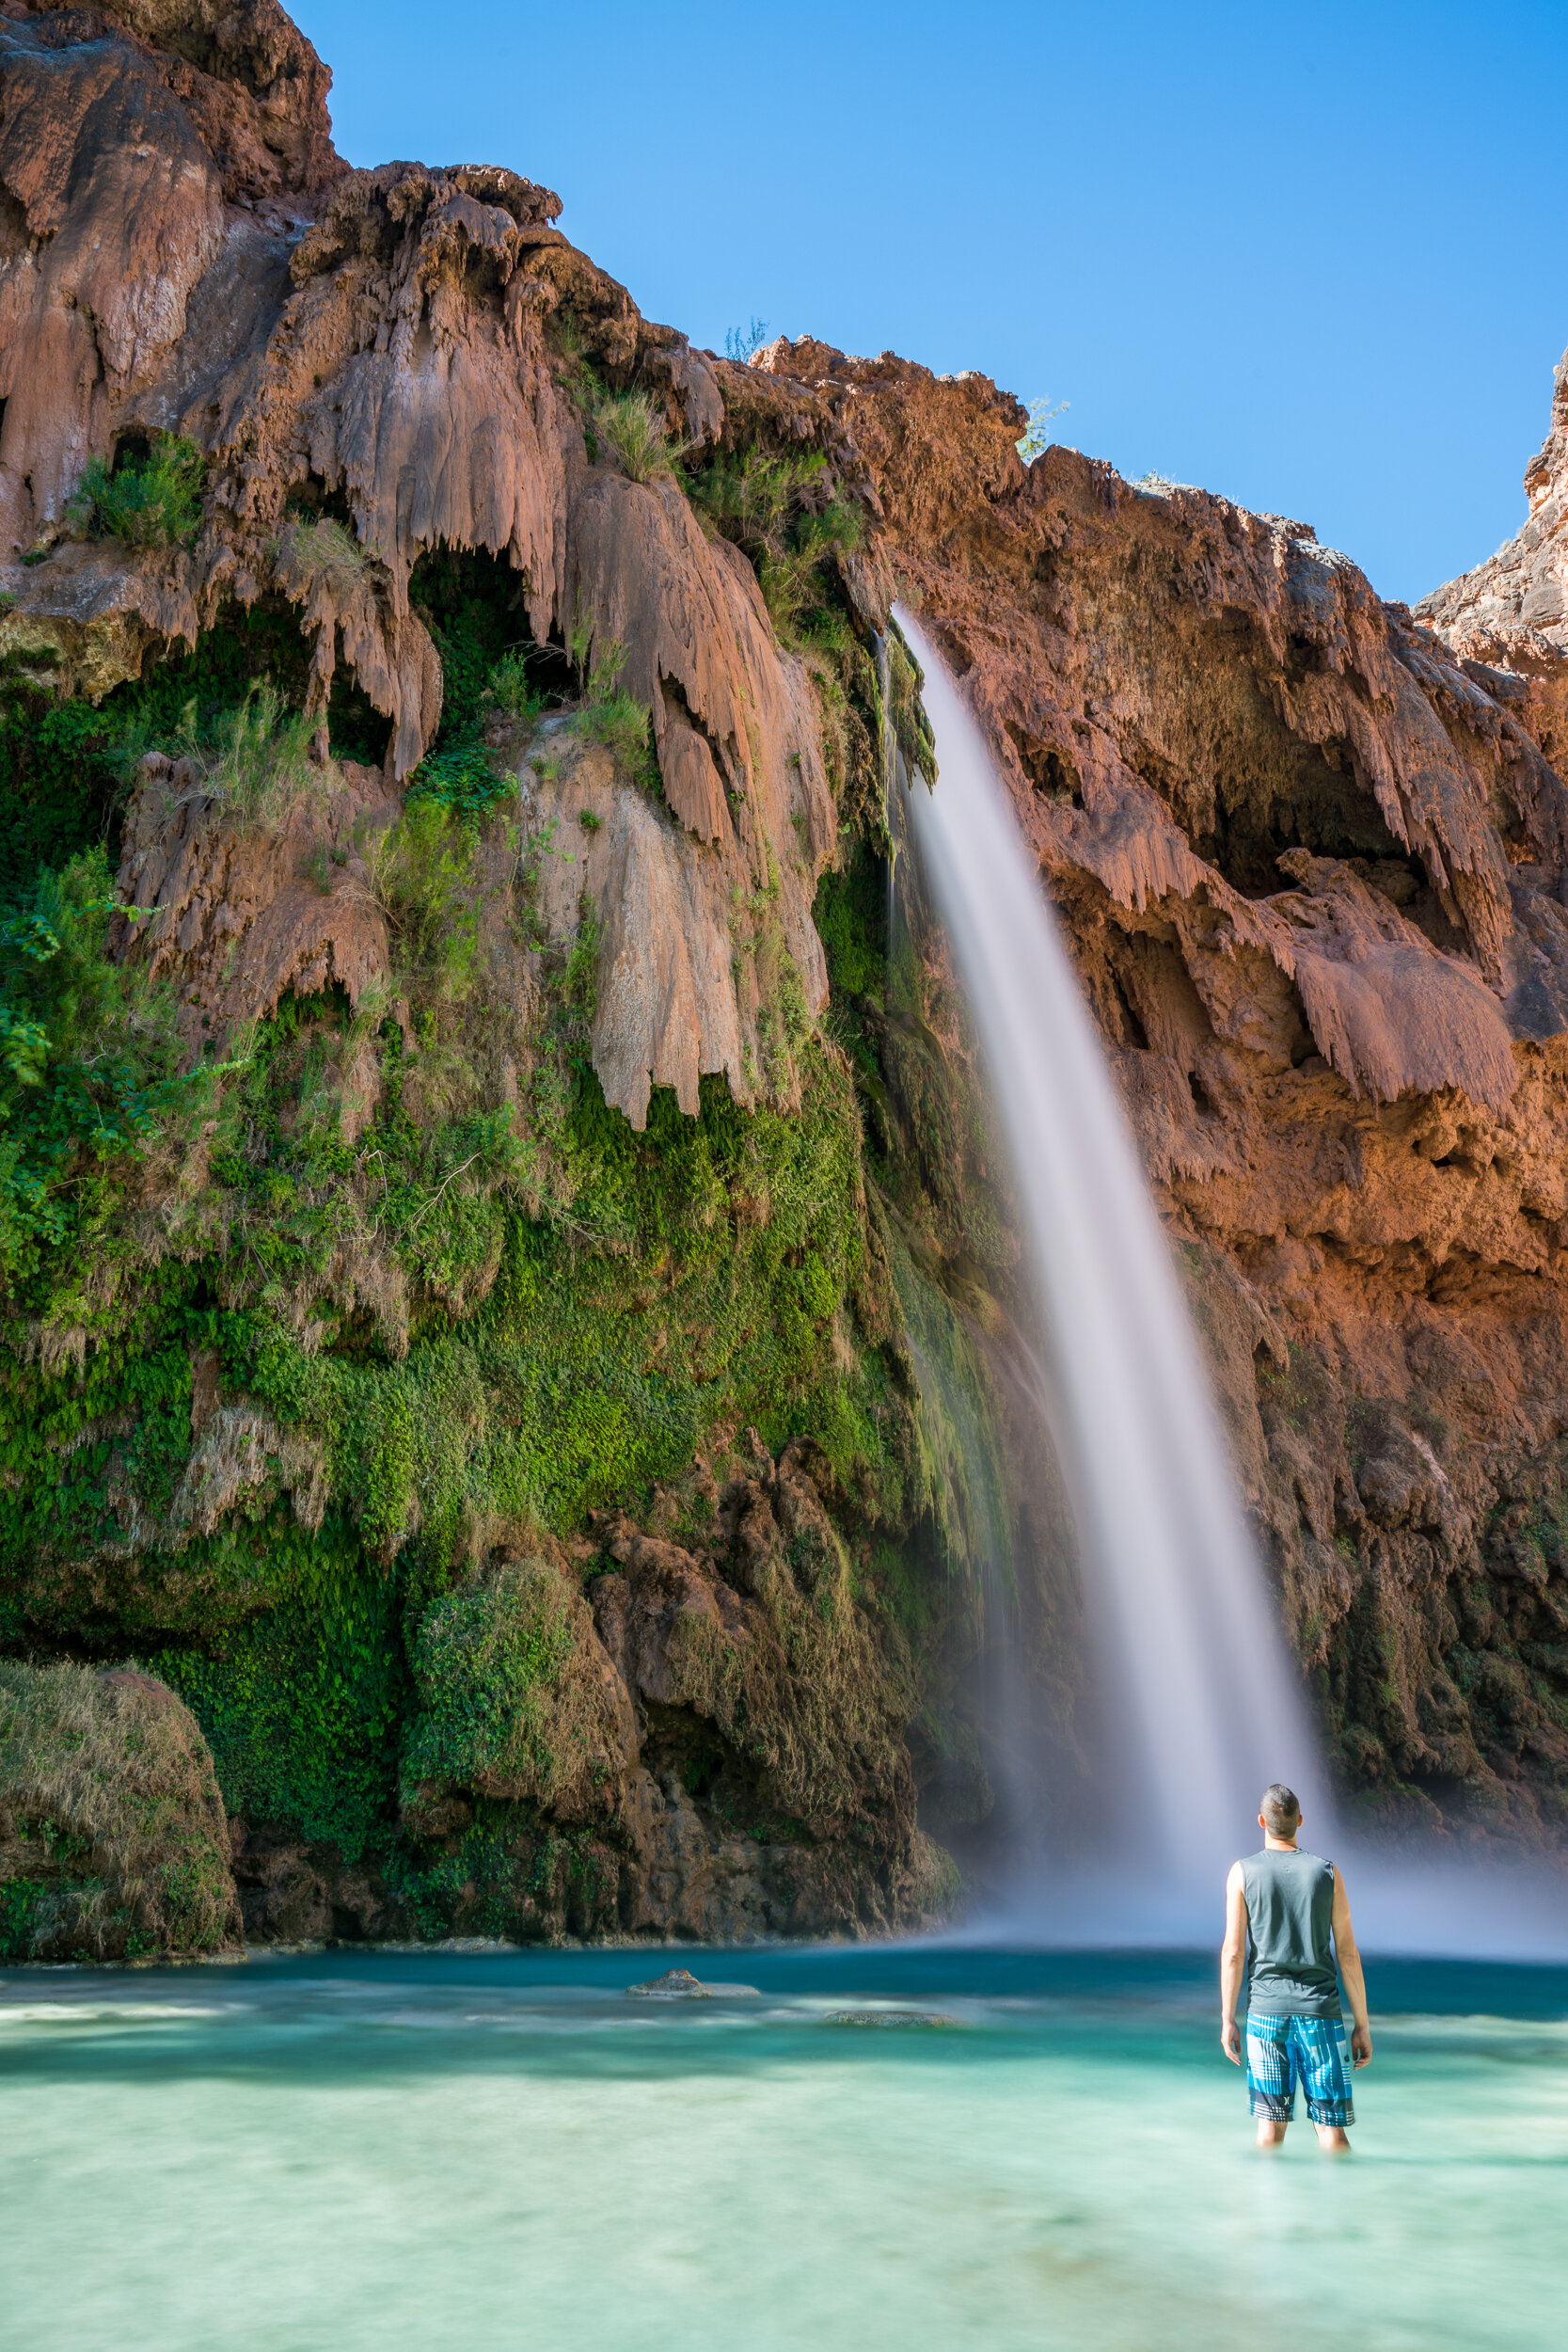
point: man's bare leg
(1332, 2138)
(1271, 2136)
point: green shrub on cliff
(253, 758)
(1036, 435)
(60, 782)
(510, 1703)
(782, 511)
(301, 1707)
(149, 501)
(630, 427)
(607, 714)
(90, 1066)
(422, 879)
(750, 495)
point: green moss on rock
(113, 1842)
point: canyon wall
(1308, 850)
(509, 1274)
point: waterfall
(1200, 1707)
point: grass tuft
(630, 426)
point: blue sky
(1312, 257)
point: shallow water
(477, 2150)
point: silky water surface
(461, 2151)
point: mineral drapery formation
(509, 1279)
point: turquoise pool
(460, 2151)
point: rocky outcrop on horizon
(1510, 615)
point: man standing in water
(1281, 1908)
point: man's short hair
(1281, 1812)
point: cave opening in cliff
(1305, 800)
(246, 645)
(475, 606)
(1050, 771)
(62, 758)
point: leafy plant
(750, 495)
(301, 1707)
(742, 343)
(513, 687)
(461, 778)
(791, 575)
(487, 1663)
(421, 871)
(781, 511)
(150, 501)
(1036, 437)
(608, 715)
(89, 1055)
(260, 760)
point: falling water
(1201, 1708)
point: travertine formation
(375, 339)
(1310, 852)
(736, 1650)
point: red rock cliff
(1309, 849)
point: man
(1281, 1908)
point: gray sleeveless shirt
(1290, 1906)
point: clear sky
(1315, 257)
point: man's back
(1286, 1922)
(1290, 1907)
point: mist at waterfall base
(1198, 1705)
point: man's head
(1281, 1814)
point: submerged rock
(676, 1984)
(679, 1984)
(889, 2017)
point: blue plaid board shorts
(1284, 2051)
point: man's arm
(1349, 1968)
(1232, 1962)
